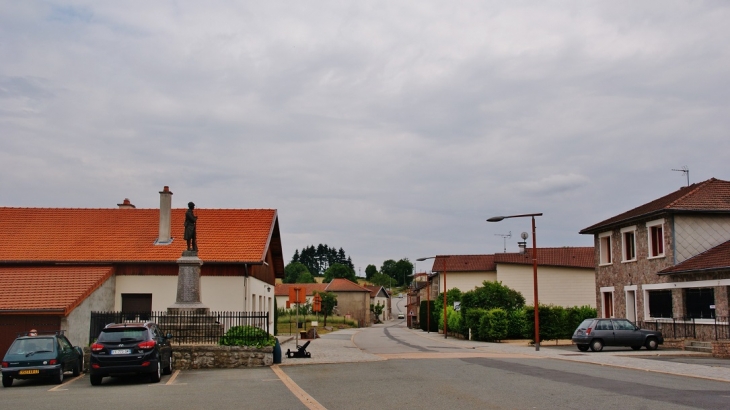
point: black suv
(41, 355)
(129, 348)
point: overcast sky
(392, 129)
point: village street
(391, 367)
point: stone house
(353, 300)
(566, 276)
(59, 264)
(667, 259)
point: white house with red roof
(59, 264)
(667, 259)
(566, 276)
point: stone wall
(187, 357)
(221, 357)
(721, 349)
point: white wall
(559, 286)
(465, 281)
(77, 323)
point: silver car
(596, 333)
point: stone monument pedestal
(188, 286)
(189, 319)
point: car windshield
(31, 346)
(122, 335)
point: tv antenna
(685, 171)
(504, 237)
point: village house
(668, 259)
(57, 265)
(380, 296)
(353, 300)
(566, 276)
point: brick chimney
(164, 237)
(126, 204)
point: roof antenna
(684, 170)
(504, 237)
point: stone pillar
(188, 285)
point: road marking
(297, 391)
(172, 378)
(453, 355)
(58, 388)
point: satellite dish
(524, 236)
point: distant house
(353, 300)
(566, 276)
(379, 296)
(59, 264)
(669, 258)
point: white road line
(58, 388)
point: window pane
(660, 303)
(698, 302)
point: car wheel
(583, 348)
(636, 347)
(77, 367)
(651, 344)
(7, 381)
(168, 369)
(95, 379)
(58, 377)
(597, 345)
(156, 376)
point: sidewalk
(338, 347)
(639, 360)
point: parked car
(596, 333)
(130, 348)
(41, 355)
(401, 316)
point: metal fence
(189, 327)
(691, 328)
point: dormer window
(628, 242)
(655, 234)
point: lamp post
(534, 269)
(446, 333)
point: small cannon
(301, 351)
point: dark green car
(46, 355)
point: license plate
(31, 371)
(122, 351)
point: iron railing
(717, 328)
(188, 327)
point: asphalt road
(409, 371)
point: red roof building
(53, 260)
(668, 258)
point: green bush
(498, 324)
(454, 320)
(472, 320)
(250, 336)
(423, 316)
(518, 328)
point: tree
(377, 311)
(319, 259)
(340, 271)
(329, 301)
(381, 280)
(305, 277)
(293, 271)
(401, 271)
(370, 271)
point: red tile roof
(128, 235)
(344, 285)
(570, 257)
(577, 257)
(282, 289)
(464, 263)
(712, 195)
(717, 258)
(374, 290)
(29, 289)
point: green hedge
(247, 336)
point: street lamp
(534, 269)
(446, 333)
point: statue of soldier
(190, 234)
